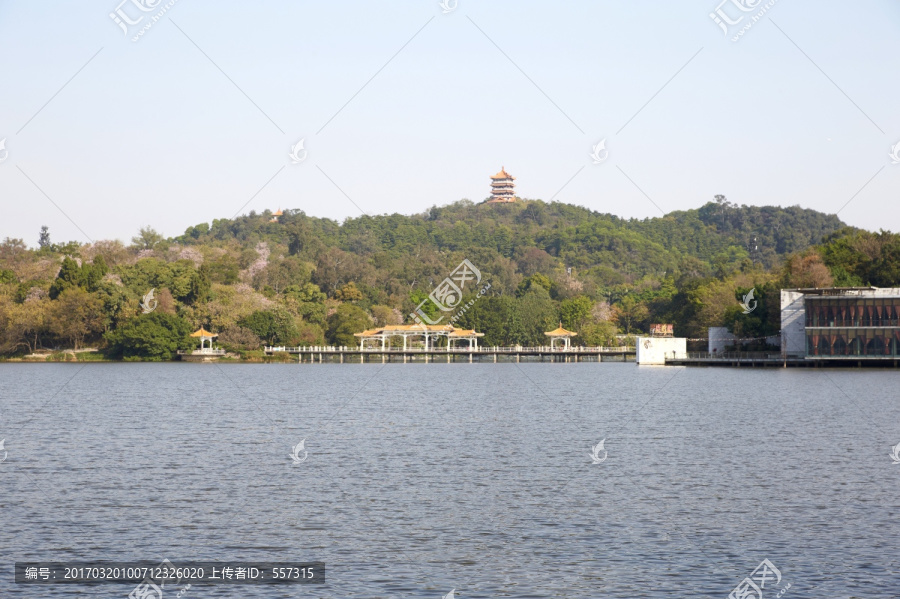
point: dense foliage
(304, 280)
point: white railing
(311, 349)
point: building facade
(841, 322)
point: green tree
(885, 270)
(153, 336)
(347, 320)
(44, 238)
(385, 315)
(575, 312)
(23, 325)
(272, 326)
(630, 312)
(348, 293)
(92, 274)
(534, 281)
(223, 269)
(308, 292)
(536, 314)
(76, 315)
(596, 334)
(197, 231)
(70, 275)
(422, 302)
(279, 274)
(146, 239)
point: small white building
(655, 350)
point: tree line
(302, 280)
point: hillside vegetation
(306, 280)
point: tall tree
(44, 238)
(75, 315)
(146, 239)
(347, 320)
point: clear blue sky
(803, 109)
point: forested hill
(296, 279)
(537, 236)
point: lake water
(425, 478)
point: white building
(655, 350)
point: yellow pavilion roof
(560, 332)
(203, 333)
(465, 333)
(502, 174)
(367, 333)
(418, 327)
(279, 213)
(399, 329)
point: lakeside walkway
(341, 354)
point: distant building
(503, 190)
(275, 216)
(841, 322)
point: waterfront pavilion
(560, 334)
(204, 336)
(408, 332)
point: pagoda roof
(203, 333)
(560, 332)
(502, 174)
(367, 333)
(399, 329)
(279, 213)
(465, 333)
(418, 327)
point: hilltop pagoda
(503, 190)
